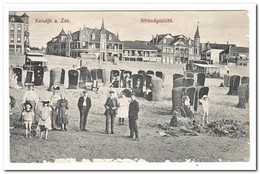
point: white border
(251, 165)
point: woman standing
(54, 115)
(123, 109)
(63, 106)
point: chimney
(227, 42)
(157, 38)
(153, 39)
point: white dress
(45, 119)
(123, 108)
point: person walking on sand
(123, 109)
(205, 105)
(111, 106)
(133, 116)
(45, 118)
(63, 106)
(84, 104)
(54, 99)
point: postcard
(129, 87)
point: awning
(37, 59)
(205, 65)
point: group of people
(53, 114)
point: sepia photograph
(131, 86)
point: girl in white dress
(123, 109)
(45, 119)
(27, 118)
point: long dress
(54, 114)
(45, 119)
(123, 108)
(62, 108)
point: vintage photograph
(129, 86)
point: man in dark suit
(84, 104)
(133, 116)
(111, 106)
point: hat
(46, 101)
(55, 88)
(204, 96)
(111, 92)
(28, 103)
(85, 91)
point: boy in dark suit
(111, 106)
(84, 104)
(133, 116)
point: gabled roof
(24, 15)
(177, 38)
(159, 37)
(15, 18)
(62, 33)
(138, 45)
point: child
(27, 117)
(45, 119)
(205, 105)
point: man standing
(111, 106)
(133, 116)
(84, 104)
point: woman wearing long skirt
(123, 109)
(54, 115)
(63, 107)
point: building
(139, 51)
(18, 33)
(178, 48)
(237, 55)
(211, 51)
(87, 42)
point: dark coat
(111, 102)
(133, 109)
(81, 101)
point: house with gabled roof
(87, 42)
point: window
(93, 37)
(12, 19)
(12, 27)
(19, 48)
(110, 37)
(83, 44)
(26, 27)
(19, 28)
(19, 38)
(12, 38)
(164, 40)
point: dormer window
(12, 19)
(164, 40)
(93, 36)
(110, 37)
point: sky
(214, 26)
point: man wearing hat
(31, 97)
(111, 106)
(133, 116)
(84, 104)
(205, 105)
